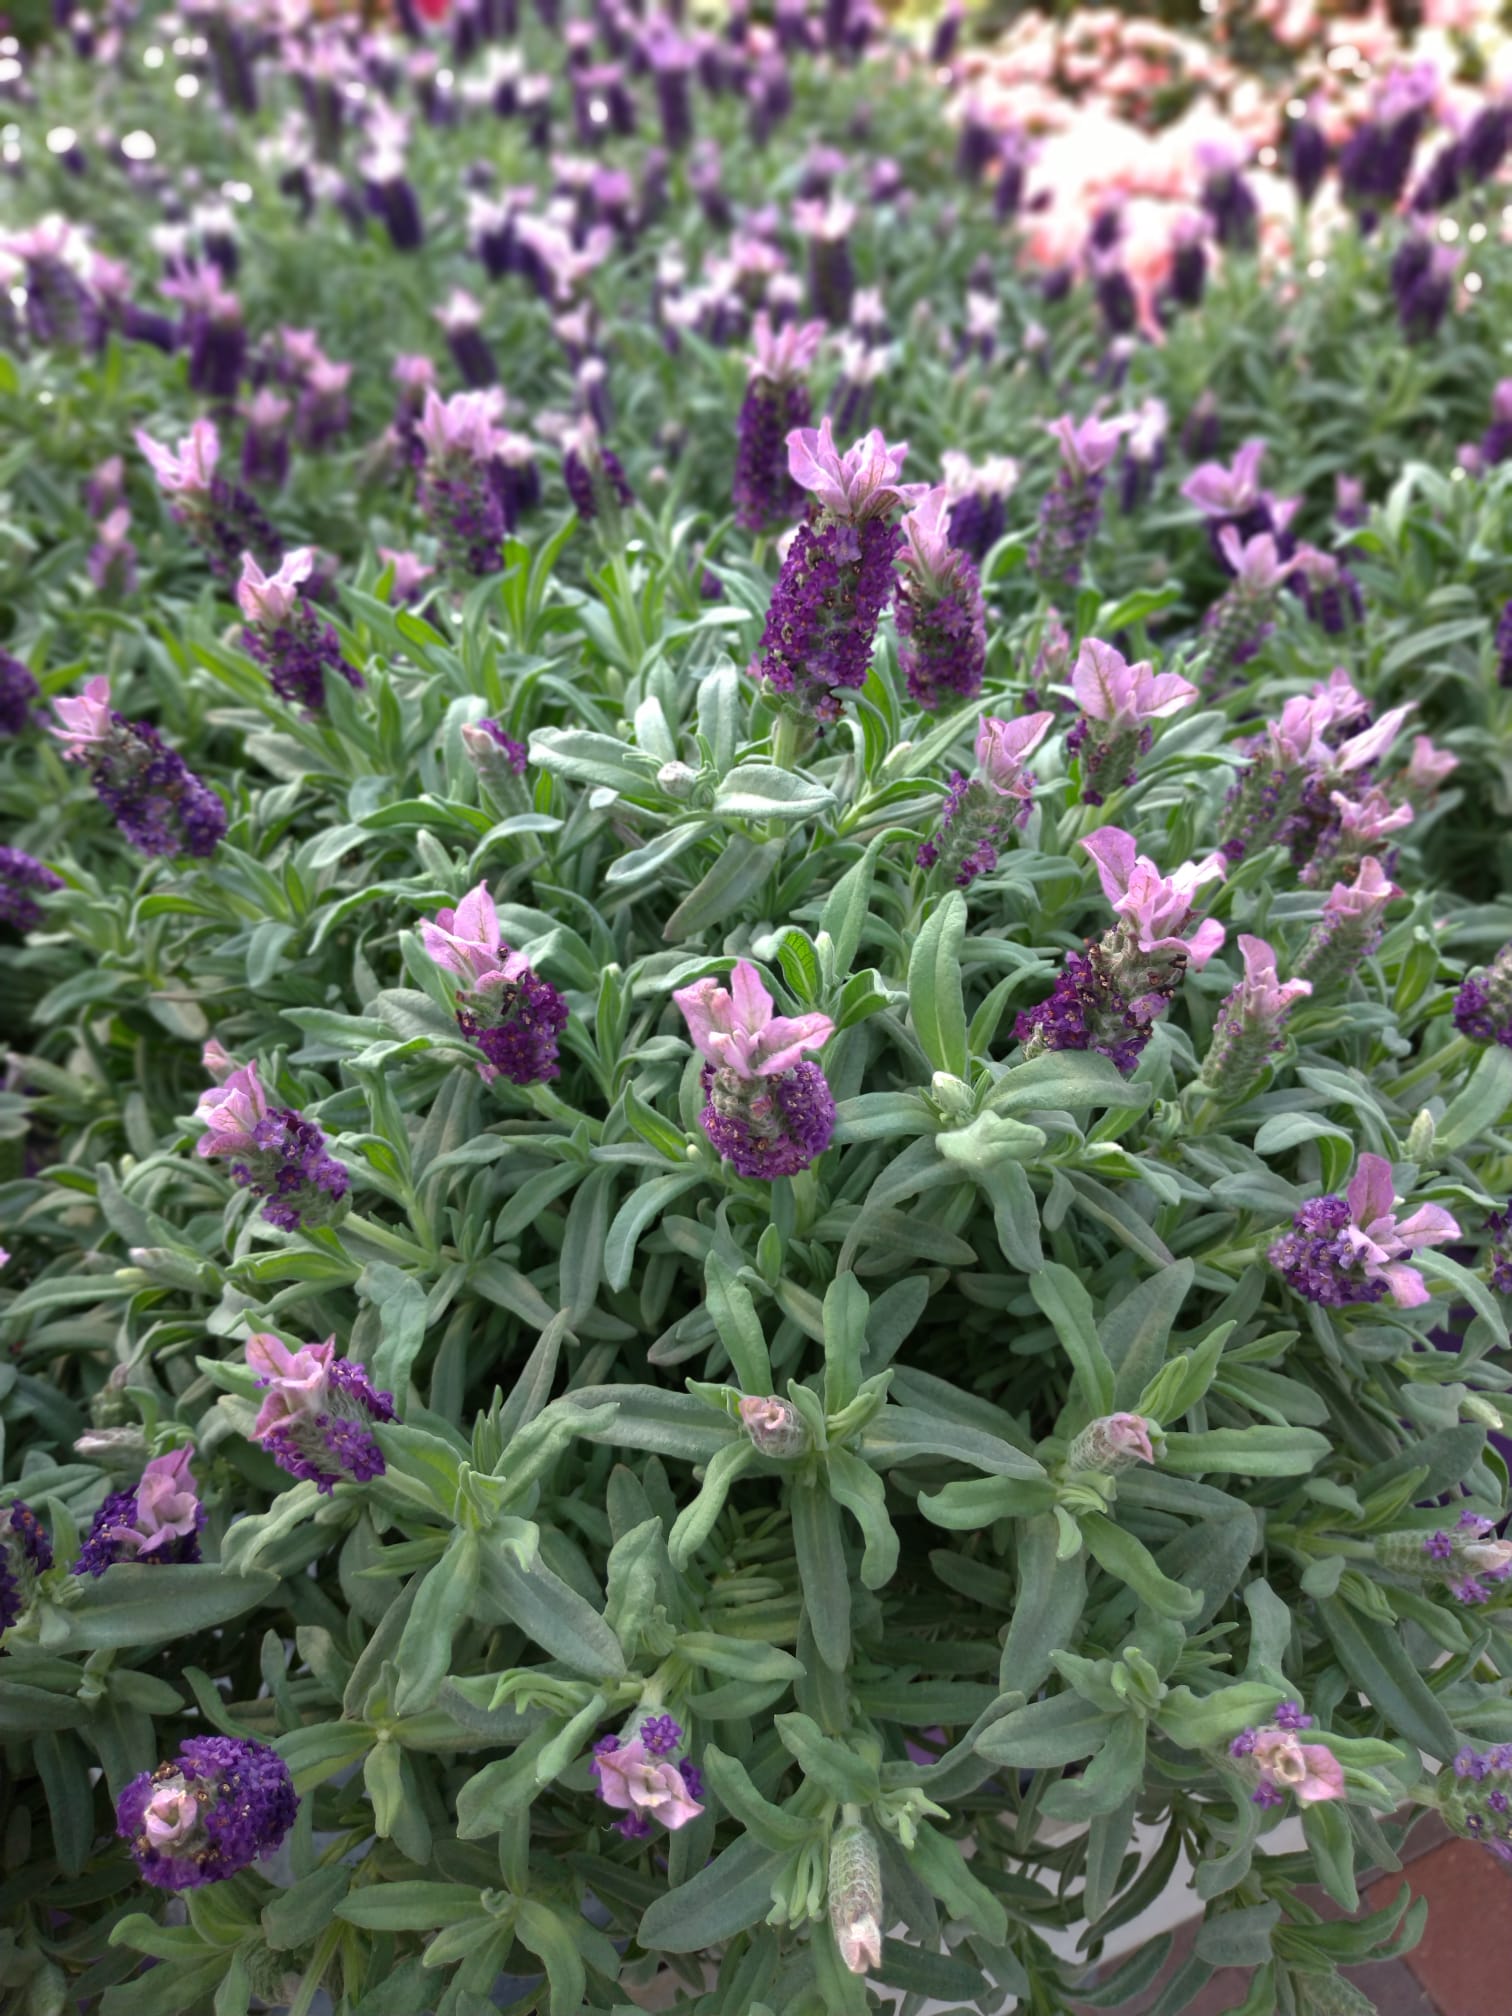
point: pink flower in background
(269, 600)
(1125, 696)
(1156, 905)
(218, 1061)
(231, 1114)
(168, 1506)
(1427, 767)
(295, 1382)
(632, 1780)
(1003, 747)
(1257, 568)
(1378, 1238)
(861, 483)
(736, 1030)
(1261, 995)
(1087, 446)
(1227, 491)
(1309, 1771)
(86, 721)
(786, 353)
(1365, 897)
(466, 941)
(189, 470)
(1364, 821)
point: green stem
(389, 1242)
(787, 738)
(1445, 1059)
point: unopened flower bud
(775, 1426)
(1112, 1443)
(677, 779)
(123, 1449)
(110, 1408)
(1421, 1136)
(1479, 1408)
(950, 1094)
(163, 1264)
(855, 1898)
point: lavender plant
(743, 1259)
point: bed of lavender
(753, 801)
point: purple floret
(769, 1127)
(246, 1805)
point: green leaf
(546, 1933)
(1052, 1594)
(939, 1862)
(1063, 1299)
(1375, 1660)
(763, 791)
(400, 1302)
(410, 1907)
(1245, 1452)
(1135, 1333)
(1060, 1730)
(550, 1614)
(441, 1606)
(1480, 1105)
(1134, 1565)
(733, 1309)
(857, 1487)
(126, 1606)
(935, 1001)
(822, 1572)
(728, 1895)
(646, 1203)
(830, 1764)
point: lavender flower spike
(1118, 702)
(1350, 1249)
(596, 481)
(855, 1897)
(941, 621)
(980, 811)
(223, 1802)
(769, 1112)
(1239, 623)
(285, 634)
(1109, 998)
(838, 573)
(1249, 1028)
(318, 1410)
(158, 1523)
(1350, 927)
(1072, 508)
(1113, 1442)
(1483, 1005)
(279, 1155)
(159, 804)
(221, 519)
(22, 880)
(18, 689)
(459, 491)
(513, 1015)
(776, 402)
(639, 1780)
(25, 1553)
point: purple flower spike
(776, 404)
(279, 1155)
(1072, 509)
(158, 1523)
(22, 880)
(1350, 927)
(513, 1015)
(159, 804)
(213, 1811)
(1250, 1025)
(317, 1412)
(838, 574)
(1349, 1249)
(223, 520)
(18, 689)
(981, 811)
(1483, 1005)
(286, 636)
(25, 1553)
(768, 1112)
(1118, 702)
(941, 621)
(1109, 998)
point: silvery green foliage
(937, 1595)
